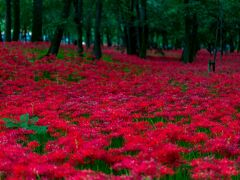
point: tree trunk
(97, 41)
(231, 42)
(8, 21)
(164, 40)
(239, 40)
(191, 30)
(88, 36)
(37, 20)
(78, 4)
(130, 30)
(58, 34)
(1, 39)
(143, 30)
(108, 36)
(16, 26)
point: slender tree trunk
(165, 40)
(88, 36)
(16, 26)
(191, 30)
(8, 21)
(239, 40)
(97, 41)
(130, 30)
(37, 20)
(58, 34)
(78, 4)
(108, 36)
(143, 33)
(1, 39)
(231, 42)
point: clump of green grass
(116, 142)
(152, 121)
(205, 130)
(107, 58)
(99, 165)
(29, 123)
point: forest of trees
(136, 25)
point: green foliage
(182, 172)
(100, 166)
(29, 123)
(116, 142)
(153, 120)
(204, 130)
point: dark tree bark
(97, 42)
(165, 40)
(1, 39)
(130, 31)
(239, 40)
(16, 26)
(191, 31)
(8, 21)
(143, 29)
(37, 20)
(231, 42)
(58, 34)
(88, 36)
(109, 37)
(78, 4)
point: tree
(78, 4)
(37, 20)
(143, 29)
(8, 20)
(58, 34)
(16, 26)
(97, 41)
(191, 30)
(129, 28)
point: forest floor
(118, 118)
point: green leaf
(34, 119)
(10, 124)
(24, 121)
(38, 129)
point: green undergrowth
(107, 58)
(116, 142)
(205, 130)
(195, 154)
(40, 53)
(152, 121)
(26, 122)
(175, 83)
(181, 173)
(99, 165)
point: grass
(152, 121)
(204, 130)
(116, 142)
(107, 58)
(99, 165)
(181, 173)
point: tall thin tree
(16, 25)
(78, 4)
(191, 30)
(97, 41)
(58, 34)
(37, 20)
(8, 21)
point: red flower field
(118, 118)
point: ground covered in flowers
(117, 118)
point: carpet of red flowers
(119, 118)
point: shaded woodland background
(136, 25)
